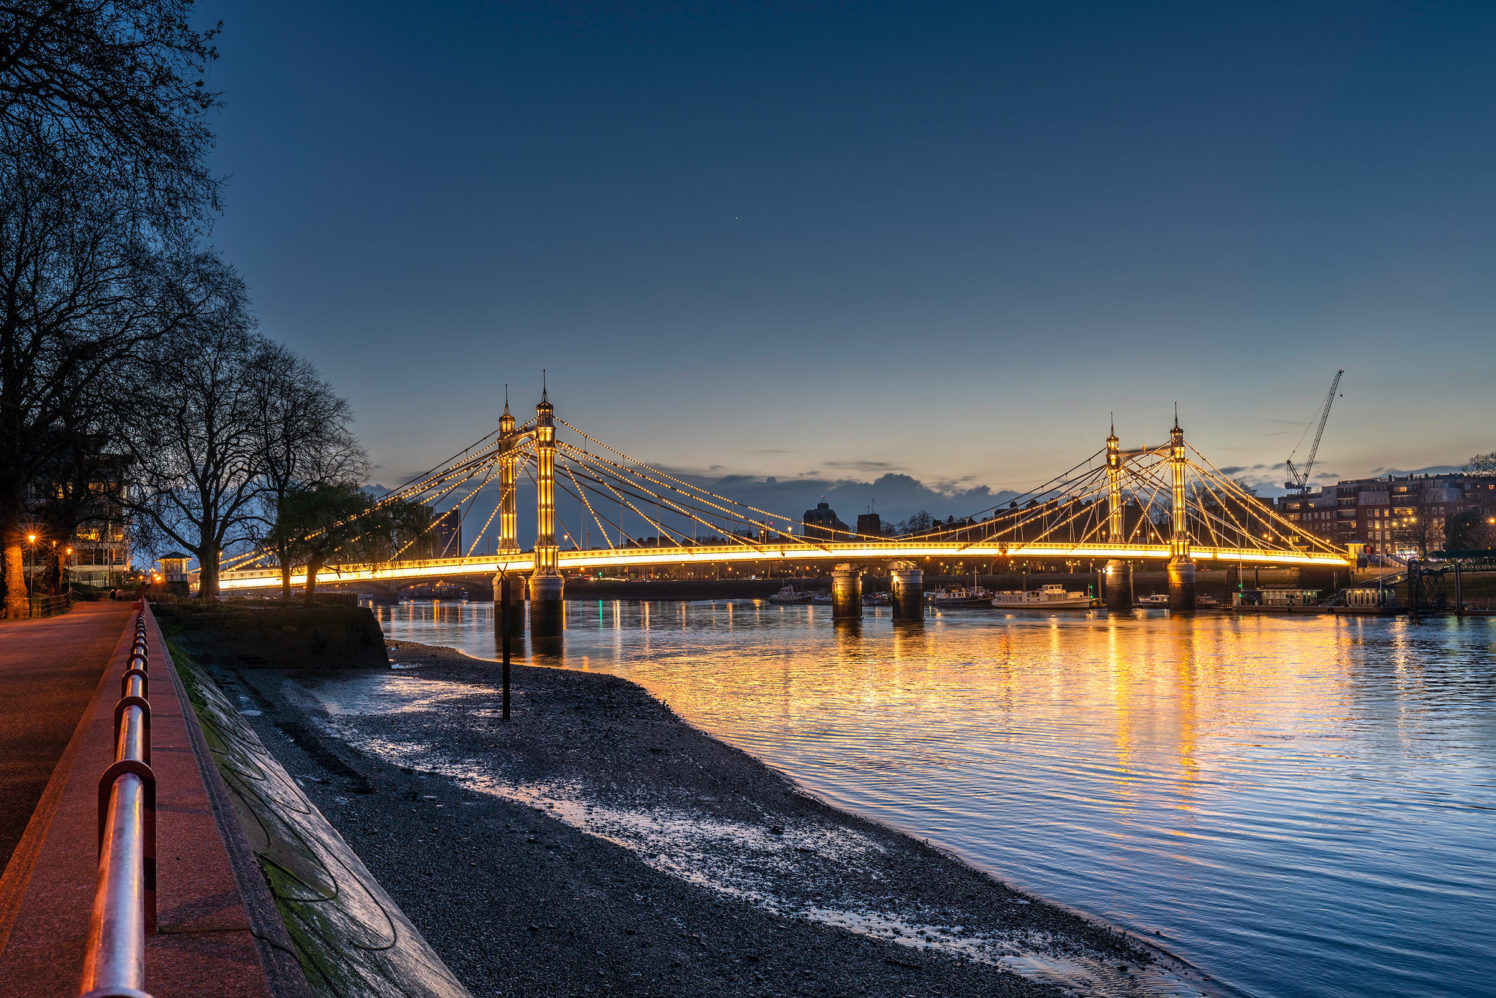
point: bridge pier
(908, 586)
(547, 605)
(1117, 587)
(846, 593)
(509, 602)
(1181, 585)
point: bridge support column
(846, 593)
(1118, 586)
(547, 605)
(1181, 585)
(908, 585)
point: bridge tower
(508, 478)
(508, 590)
(1118, 588)
(546, 584)
(1181, 568)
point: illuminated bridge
(1164, 504)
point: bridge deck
(603, 558)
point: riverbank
(597, 844)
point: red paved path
(210, 905)
(49, 670)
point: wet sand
(597, 844)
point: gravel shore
(598, 845)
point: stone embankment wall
(268, 634)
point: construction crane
(1299, 480)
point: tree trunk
(207, 578)
(311, 582)
(285, 577)
(16, 604)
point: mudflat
(597, 844)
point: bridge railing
(124, 909)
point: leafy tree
(1466, 531)
(319, 524)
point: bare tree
(103, 186)
(1418, 520)
(1481, 464)
(302, 428)
(197, 462)
(80, 294)
(115, 86)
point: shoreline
(635, 828)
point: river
(1300, 806)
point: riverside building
(1401, 515)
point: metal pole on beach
(504, 630)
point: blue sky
(838, 240)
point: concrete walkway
(49, 670)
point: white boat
(791, 595)
(1154, 599)
(1050, 596)
(822, 599)
(961, 596)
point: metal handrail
(124, 909)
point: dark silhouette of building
(822, 523)
(449, 534)
(870, 524)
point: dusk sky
(841, 239)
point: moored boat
(961, 596)
(1050, 596)
(789, 595)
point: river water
(1300, 806)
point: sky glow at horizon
(843, 240)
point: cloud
(1433, 469)
(868, 466)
